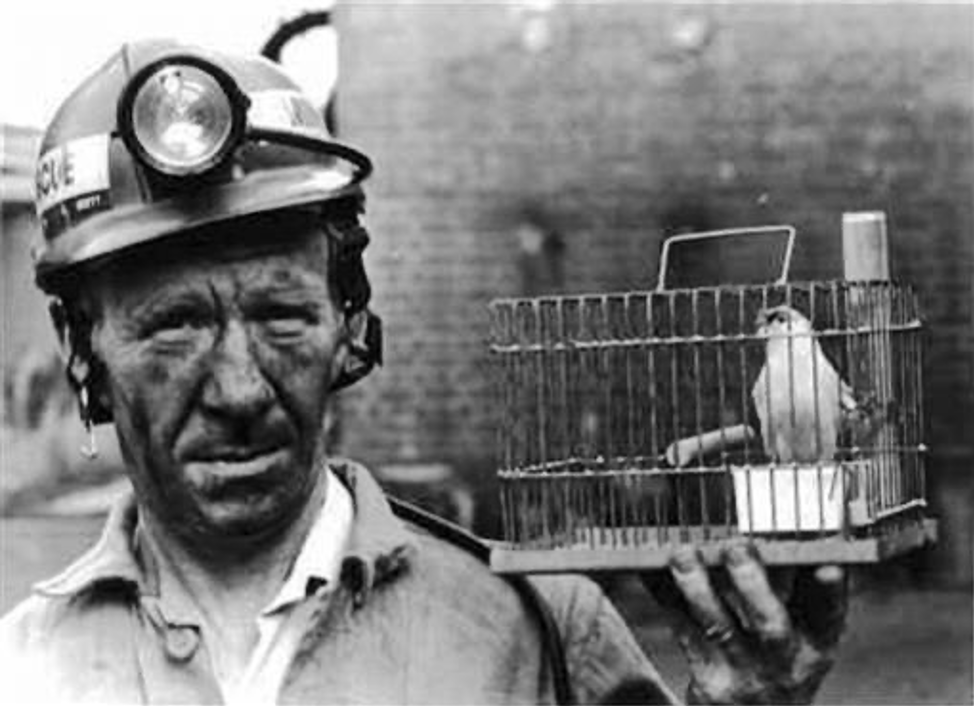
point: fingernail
(684, 559)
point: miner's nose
(236, 386)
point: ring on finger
(719, 634)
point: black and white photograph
(534, 352)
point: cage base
(506, 559)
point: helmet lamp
(182, 116)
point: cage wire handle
(789, 231)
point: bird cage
(787, 412)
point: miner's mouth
(234, 454)
(249, 466)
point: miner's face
(219, 363)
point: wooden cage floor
(892, 541)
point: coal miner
(203, 254)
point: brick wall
(620, 129)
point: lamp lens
(183, 118)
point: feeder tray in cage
(629, 423)
(809, 498)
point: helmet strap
(348, 239)
(364, 349)
(347, 271)
(85, 372)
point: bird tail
(863, 419)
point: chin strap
(90, 387)
(348, 239)
(364, 353)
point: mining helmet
(166, 138)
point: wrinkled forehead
(285, 250)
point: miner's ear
(360, 349)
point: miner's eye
(286, 320)
(172, 324)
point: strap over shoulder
(537, 605)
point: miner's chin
(244, 521)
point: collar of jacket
(379, 546)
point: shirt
(413, 619)
(281, 623)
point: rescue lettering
(76, 168)
(54, 172)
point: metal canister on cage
(865, 249)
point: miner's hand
(745, 641)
